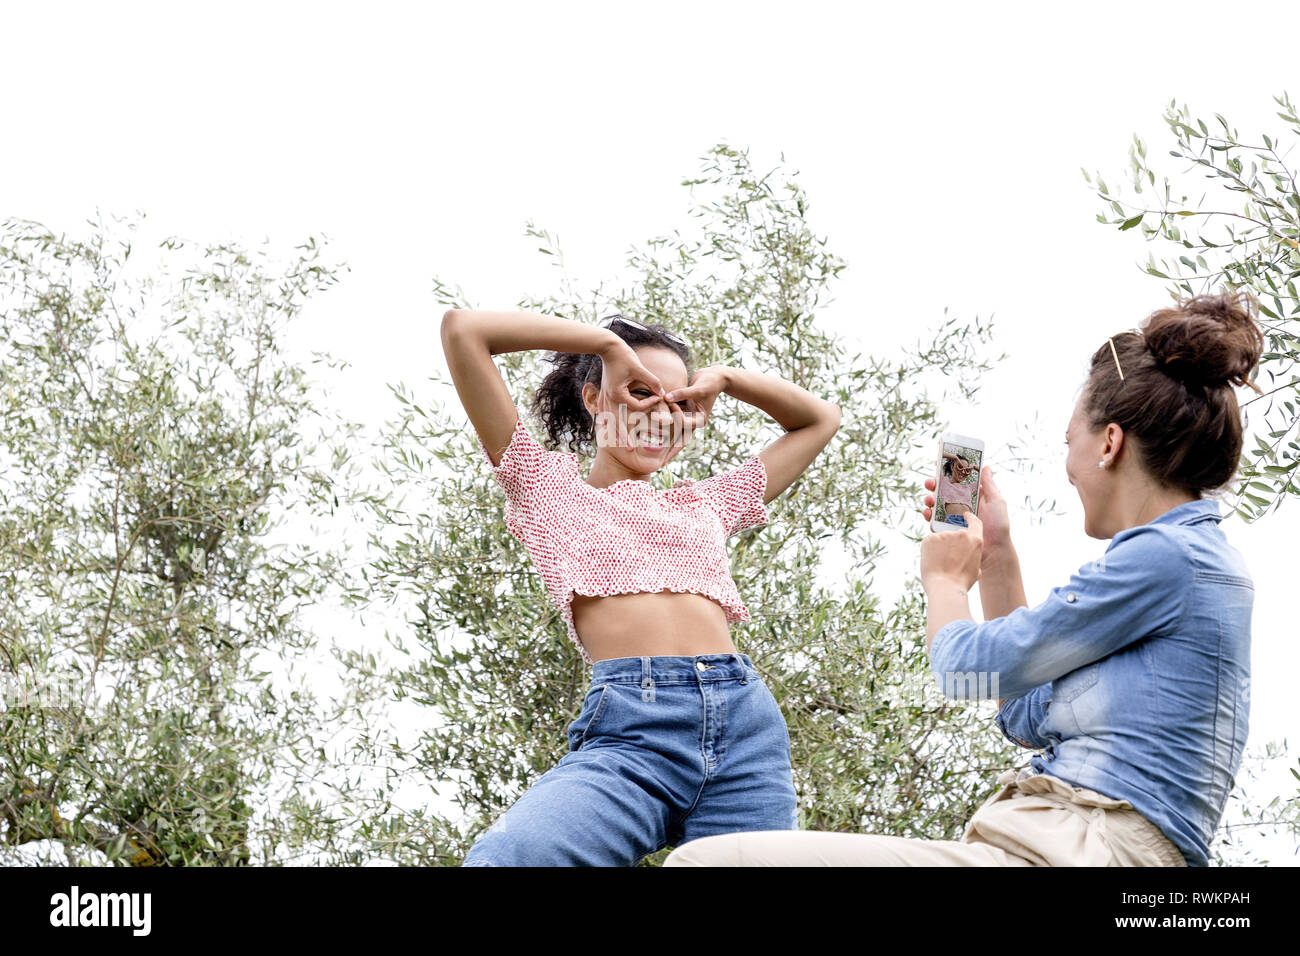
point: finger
(639, 372)
(636, 402)
(975, 526)
(686, 391)
(929, 501)
(929, 483)
(989, 484)
(688, 423)
(621, 394)
(652, 380)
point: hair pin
(1111, 342)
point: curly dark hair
(1175, 395)
(947, 464)
(558, 400)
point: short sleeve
(524, 474)
(737, 496)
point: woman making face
(640, 577)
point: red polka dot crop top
(628, 537)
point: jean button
(699, 665)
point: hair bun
(1211, 340)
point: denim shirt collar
(1202, 509)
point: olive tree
(154, 439)
(1243, 232)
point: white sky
(940, 146)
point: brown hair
(558, 400)
(1170, 387)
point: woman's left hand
(700, 395)
(953, 555)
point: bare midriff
(651, 624)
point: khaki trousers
(1032, 820)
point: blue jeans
(665, 750)
(956, 519)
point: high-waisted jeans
(664, 751)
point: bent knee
(720, 850)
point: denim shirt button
(1071, 597)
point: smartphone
(957, 481)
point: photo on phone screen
(957, 488)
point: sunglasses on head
(609, 320)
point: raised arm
(1002, 589)
(471, 337)
(1135, 591)
(809, 421)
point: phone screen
(957, 488)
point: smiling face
(653, 437)
(1095, 485)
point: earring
(1102, 463)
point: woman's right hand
(993, 514)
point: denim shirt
(1133, 678)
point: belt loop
(647, 682)
(744, 674)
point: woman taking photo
(678, 736)
(1130, 680)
